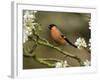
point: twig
(63, 52)
(44, 61)
(51, 59)
(27, 54)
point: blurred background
(72, 25)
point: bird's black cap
(51, 25)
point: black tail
(70, 43)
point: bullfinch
(58, 37)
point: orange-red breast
(58, 37)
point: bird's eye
(62, 35)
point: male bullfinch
(58, 37)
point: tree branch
(61, 51)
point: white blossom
(35, 11)
(29, 18)
(58, 65)
(29, 29)
(87, 63)
(26, 13)
(80, 42)
(27, 32)
(29, 15)
(25, 36)
(65, 64)
(89, 44)
(61, 64)
(89, 24)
